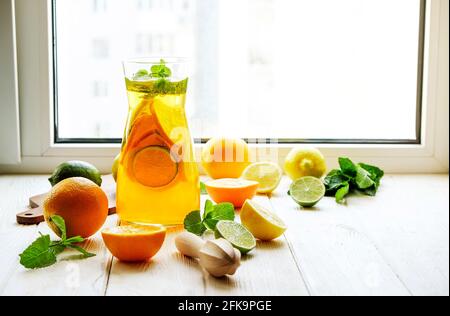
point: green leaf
(161, 85)
(348, 168)
(74, 240)
(82, 251)
(38, 254)
(203, 189)
(372, 191)
(363, 180)
(209, 207)
(334, 181)
(376, 174)
(223, 211)
(57, 247)
(61, 224)
(140, 74)
(342, 193)
(161, 70)
(193, 223)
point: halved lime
(307, 191)
(237, 235)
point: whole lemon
(305, 161)
(225, 157)
(115, 167)
(81, 203)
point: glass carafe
(157, 181)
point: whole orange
(225, 157)
(82, 204)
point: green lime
(307, 191)
(237, 235)
(71, 169)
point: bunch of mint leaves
(352, 177)
(156, 71)
(197, 224)
(43, 252)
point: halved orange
(134, 243)
(154, 166)
(234, 191)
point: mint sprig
(197, 224)
(43, 252)
(161, 70)
(353, 177)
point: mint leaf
(140, 74)
(223, 211)
(209, 207)
(161, 85)
(161, 70)
(211, 216)
(342, 193)
(334, 181)
(348, 168)
(375, 173)
(38, 254)
(74, 240)
(203, 189)
(372, 191)
(363, 180)
(57, 247)
(85, 253)
(61, 224)
(193, 223)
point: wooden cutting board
(34, 214)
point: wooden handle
(32, 216)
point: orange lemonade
(157, 179)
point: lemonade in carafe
(157, 181)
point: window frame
(419, 99)
(40, 152)
(9, 118)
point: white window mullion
(9, 115)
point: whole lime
(71, 169)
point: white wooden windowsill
(394, 244)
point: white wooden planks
(394, 244)
(335, 255)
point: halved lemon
(134, 243)
(154, 166)
(267, 174)
(262, 223)
(234, 191)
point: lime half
(237, 235)
(307, 191)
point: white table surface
(394, 244)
